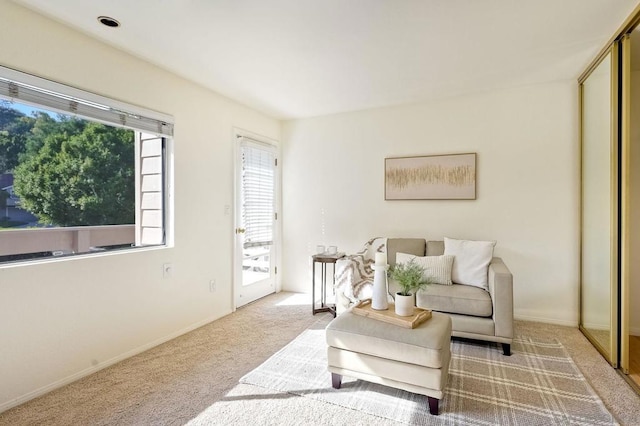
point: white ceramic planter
(404, 305)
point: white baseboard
(87, 371)
(535, 318)
(599, 327)
(633, 331)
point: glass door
(599, 271)
(255, 229)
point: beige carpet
(197, 374)
(538, 385)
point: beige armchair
(475, 313)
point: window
(258, 194)
(79, 173)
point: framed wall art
(430, 177)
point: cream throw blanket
(354, 273)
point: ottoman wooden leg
(336, 381)
(433, 405)
(506, 349)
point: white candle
(381, 258)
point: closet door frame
(625, 200)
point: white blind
(258, 193)
(25, 88)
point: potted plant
(410, 278)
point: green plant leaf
(410, 276)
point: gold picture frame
(430, 177)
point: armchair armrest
(501, 291)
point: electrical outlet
(212, 286)
(167, 270)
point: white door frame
(237, 249)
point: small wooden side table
(323, 260)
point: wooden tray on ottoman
(419, 316)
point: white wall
(64, 319)
(527, 186)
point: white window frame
(97, 108)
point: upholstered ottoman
(415, 360)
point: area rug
(539, 384)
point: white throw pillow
(471, 261)
(438, 268)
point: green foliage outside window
(69, 171)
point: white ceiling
(302, 58)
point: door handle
(240, 230)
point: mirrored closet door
(630, 288)
(599, 212)
(610, 202)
